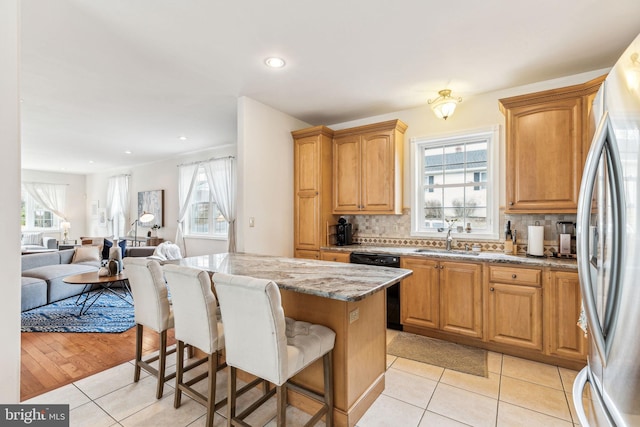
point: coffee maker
(344, 233)
(565, 231)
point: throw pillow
(32, 238)
(106, 248)
(123, 246)
(86, 253)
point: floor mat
(448, 355)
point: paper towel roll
(536, 240)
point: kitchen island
(347, 298)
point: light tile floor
(517, 392)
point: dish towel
(582, 320)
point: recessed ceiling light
(127, 152)
(182, 138)
(90, 162)
(274, 62)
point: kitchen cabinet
(367, 169)
(514, 311)
(312, 190)
(445, 295)
(419, 293)
(562, 305)
(547, 140)
(335, 256)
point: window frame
(213, 207)
(30, 206)
(489, 135)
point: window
(33, 216)
(454, 180)
(204, 217)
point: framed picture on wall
(95, 205)
(151, 202)
(102, 217)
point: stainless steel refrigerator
(608, 246)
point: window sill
(201, 237)
(455, 235)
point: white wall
(10, 196)
(265, 178)
(156, 176)
(476, 112)
(75, 194)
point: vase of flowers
(154, 230)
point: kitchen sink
(444, 251)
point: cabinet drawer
(519, 276)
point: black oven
(393, 291)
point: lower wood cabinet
(515, 315)
(525, 311)
(302, 253)
(335, 256)
(443, 295)
(515, 306)
(562, 309)
(420, 293)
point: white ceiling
(104, 76)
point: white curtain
(221, 174)
(186, 182)
(118, 204)
(52, 197)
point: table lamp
(65, 225)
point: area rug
(108, 314)
(448, 355)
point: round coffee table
(105, 282)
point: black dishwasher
(393, 291)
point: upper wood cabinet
(547, 139)
(367, 169)
(312, 190)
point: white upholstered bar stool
(261, 341)
(152, 310)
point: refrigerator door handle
(578, 388)
(579, 384)
(601, 146)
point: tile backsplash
(395, 230)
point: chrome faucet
(449, 239)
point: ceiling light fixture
(127, 152)
(274, 62)
(182, 138)
(444, 105)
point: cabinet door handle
(510, 203)
(513, 276)
(442, 267)
(492, 289)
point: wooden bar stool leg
(139, 332)
(179, 373)
(281, 393)
(231, 396)
(211, 394)
(162, 363)
(327, 363)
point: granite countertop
(334, 280)
(484, 256)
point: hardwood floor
(51, 360)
